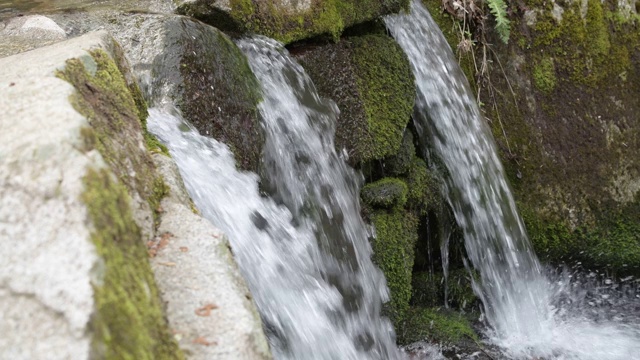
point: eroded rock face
(288, 20)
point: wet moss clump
(291, 23)
(393, 252)
(370, 79)
(436, 325)
(385, 193)
(424, 189)
(400, 163)
(128, 322)
(221, 93)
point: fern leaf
(499, 10)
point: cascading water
(305, 254)
(517, 296)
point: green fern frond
(499, 10)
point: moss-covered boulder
(288, 21)
(400, 163)
(564, 111)
(386, 193)
(393, 249)
(219, 93)
(370, 79)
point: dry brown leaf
(202, 341)
(206, 310)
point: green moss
(212, 68)
(565, 146)
(370, 79)
(544, 75)
(400, 163)
(614, 243)
(436, 326)
(323, 17)
(160, 190)
(385, 193)
(128, 322)
(393, 252)
(386, 84)
(424, 193)
(104, 97)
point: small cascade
(304, 172)
(520, 302)
(304, 250)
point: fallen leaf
(184, 248)
(206, 310)
(158, 243)
(169, 263)
(202, 341)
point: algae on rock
(435, 325)
(385, 193)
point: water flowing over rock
(517, 297)
(306, 260)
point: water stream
(304, 250)
(521, 303)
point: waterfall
(304, 251)
(519, 299)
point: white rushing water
(305, 254)
(520, 302)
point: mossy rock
(288, 22)
(220, 92)
(563, 106)
(436, 325)
(129, 322)
(400, 163)
(424, 188)
(370, 79)
(393, 252)
(385, 193)
(117, 114)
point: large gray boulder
(84, 204)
